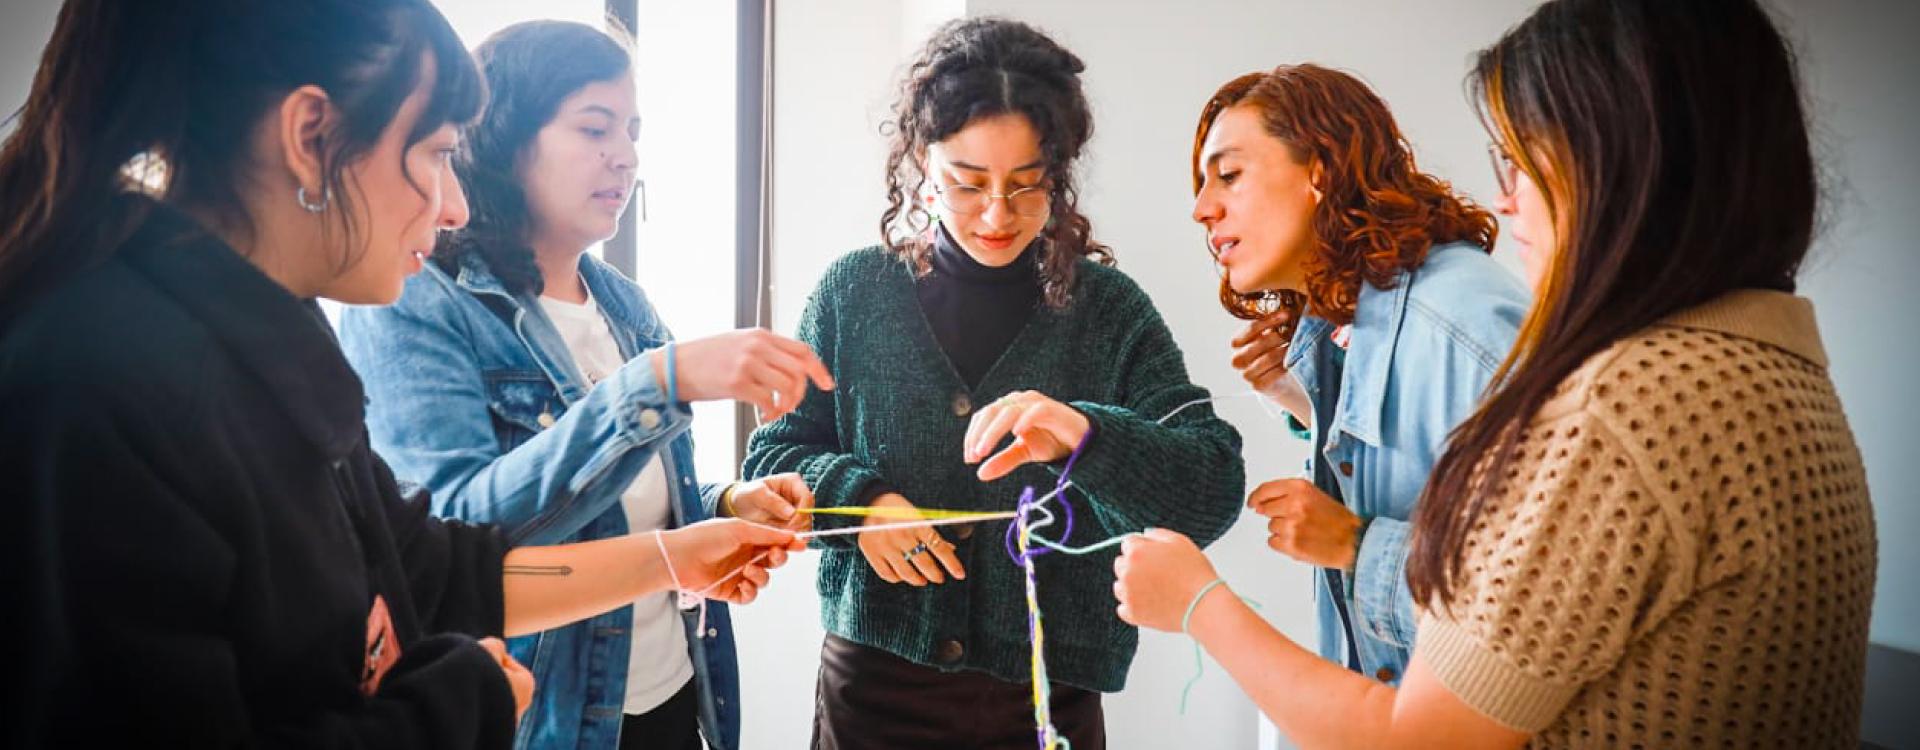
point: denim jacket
(1418, 357)
(472, 393)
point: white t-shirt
(657, 664)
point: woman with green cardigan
(1000, 319)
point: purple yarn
(1027, 504)
(1019, 522)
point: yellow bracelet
(726, 500)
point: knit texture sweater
(1685, 554)
(900, 414)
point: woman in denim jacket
(1378, 318)
(529, 384)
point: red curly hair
(1379, 214)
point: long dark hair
(162, 98)
(1671, 144)
(530, 69)
(982, 67)
(1380, 213)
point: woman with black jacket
(204, 551)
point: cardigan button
(949, 652)
(964, 532)
(962, 406)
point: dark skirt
(868, 698)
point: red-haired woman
(1378, 319)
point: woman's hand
(1307, 525)
(753, 365)
(705, 553)
(771, 501)
(1043, 430)
(1260, 354)
(1156, 577)
(912, 556)
(518, 677)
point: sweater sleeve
(135, 608)
(807, 440)
(1160, 457)
(1574, 560)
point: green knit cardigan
(899, 414)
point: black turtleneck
(976, 310)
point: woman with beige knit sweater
(1655, 532)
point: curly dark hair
(974, 68)
(1379, 215)
(530, 68)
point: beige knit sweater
(1686, 555)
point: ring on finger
(917, 549)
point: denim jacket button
(1346, 468)
(1384, 674)
(545, 419)
(649, 419)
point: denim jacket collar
(634, 329)
(1363, 380)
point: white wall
(24, 30)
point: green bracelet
(1198, 666)
(1195, 604)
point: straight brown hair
(1670, 141)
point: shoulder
(107, 337)
(1462, 268)
(1633, 377)
(1107, 289)
(865, 263)
(618, 292)
(857, 271)
(1470, 299)
(427, 293)
(1667, 369)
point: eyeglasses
(1030, 202)
(1505, 172)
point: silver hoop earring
(313, 208)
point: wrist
(1193, 604)
(1207, 609)
(1359, 538)
(662, 558)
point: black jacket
(199, 533)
